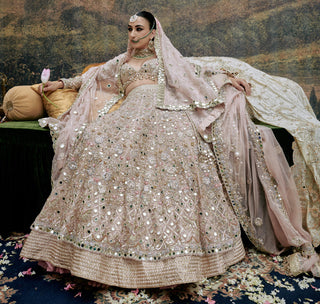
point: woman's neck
(142, 53)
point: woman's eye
(129, 29)
(139, 29)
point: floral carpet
(258, 278)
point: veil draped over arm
(257, 178)
(98, 88)
(281, 102)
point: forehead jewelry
(133, 18)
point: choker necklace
(142, 53)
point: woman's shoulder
(117, 59)
(102, 65)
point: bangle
(62, 83)
(230, 74)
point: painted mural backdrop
(280, 37)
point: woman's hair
(149, 17)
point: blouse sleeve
(107, 73)
(72, 83)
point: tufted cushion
(62, 100)
(22, 103)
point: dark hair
(149, 17)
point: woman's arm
(51, 86)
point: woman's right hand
(50, 86)
(241, 85)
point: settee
(25, 171)
(26, 154)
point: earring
(151, 45)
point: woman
(156, 165)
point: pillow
(22, 103)
(91, 65)
(117, 105)
(61, 100)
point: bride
(159, 163)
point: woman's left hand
(241, 85)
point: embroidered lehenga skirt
(139, 203)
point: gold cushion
(91, 65)
(61, 100)
(22, 103)
(117, 105)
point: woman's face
(139, 33)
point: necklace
(142, 53)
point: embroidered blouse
(148, 70)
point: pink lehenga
(154, 193)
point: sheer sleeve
(72, 83)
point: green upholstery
(25, 173)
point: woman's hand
(50, 86)
(241, 85)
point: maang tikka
(133, 18)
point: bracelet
(62, 83)
(230, 74)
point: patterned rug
(257, 279)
